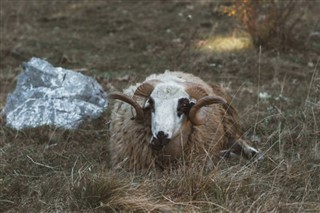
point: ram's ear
(146, 88)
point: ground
(277, 94)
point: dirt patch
(120, 43)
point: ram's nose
(158, 142)
(162, 136)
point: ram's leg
(241, 148)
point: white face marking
(164, 116)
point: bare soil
(121, 42)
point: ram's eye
(151, 104)
(183, 106)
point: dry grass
(48, 169)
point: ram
(171, 119)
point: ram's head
(171, 105)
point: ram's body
(130, 140)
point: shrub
(270, 23)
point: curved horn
(195, 91)
(146, 88)
(194, 115)
(129, 100)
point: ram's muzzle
(158, 142)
